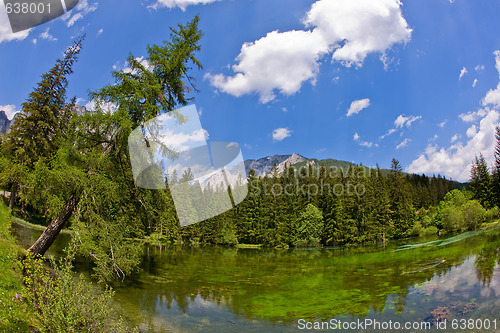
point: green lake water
(219, 289)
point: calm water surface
(218, 289)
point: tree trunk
(49, 235)
(12, 199)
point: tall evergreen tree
(496, 170)
(480, 181)
(42, 124)
(402, 211)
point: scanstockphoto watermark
(361, 325)
(306, 190)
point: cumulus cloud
(362, 143)
(442, 124)
(473, 116)
(402, 120)
(462, 73)
(182, 4)
(6, 34)
(474, 83)
(46, 35)
(141, 60)
(81, 9)
(281, 133)
(10, 110)
(403, 144)
(455, 161)
(357, 106)
(280, 60)
(493, 96)
(283, 61)
(106, 107)
(471, 131)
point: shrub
(417, 229)
(309, 242)
(429, 231)
(452, 219)
(474, 215)
(65, 303)
(492, 214)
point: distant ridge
(4, 122)
(264, 166)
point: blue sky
(356, 80)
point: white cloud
(493, 96)
(462, 73)
(10, 110)
(82, 8)
(281, 133)
(434, 138)
(442, 124)
(100, 32)
(471, 131)
(357, 106)
(402, 120)
(128, 69)
(473, 116)
(46, 35)
(362, 143)
(455, 161)
(182, 4)
(479, 68)
(474, 83)
(106, 107)
(6, 34)
(403, 144)
(284, 109)
(454, 138)
(389, 132)
(283, 61)
(34, 40)
(182, 141)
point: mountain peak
(4, 122)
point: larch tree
(36, 135)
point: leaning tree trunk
(12, 199)
(49, 235)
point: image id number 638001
(27, 8)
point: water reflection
(214, 289)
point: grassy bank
(15, 315)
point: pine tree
(43, 121)
(403, 214)
(496, 170)
(480, 181)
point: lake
(218, 289)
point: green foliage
(65, 303)
(456, 213)
(43, 121)
(310, 227)
(15, 315)
(492, 214)
(474, 215)
(452, 219)
(481, 183)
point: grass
(15, 315)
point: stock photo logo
(205, 178)
(27, 14)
